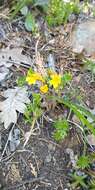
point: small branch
(4, 150)
(30, 132)
(76, 124)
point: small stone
(51, 147)
(83, 38)
(48, 158)
(2, 33)
(75, 119)
(72, 17)
(91, 140)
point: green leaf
(62, 128)
(92, 184)
(30, 24)
(82, 118)
(79, 112)
(30, 71)
(33, 109)
(59, 11)
(80, 115)
(61, 124)
(20, 4)
(67, 77)
(36, 100)
(24, 10)
(59, 135)
(21, 81)
(83, 162)
(78, 181)
(41, 2)
(85, 111)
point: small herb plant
(62, 128)
(90, 66)
(92, 184)
(84, 167)
(56, 12)
(78, 181)
(51, 87)
(33, 109)
(59, 11)
(22, 7)
(83, 162)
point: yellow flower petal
(30, 80)
(55, 80)
(39, 77)
(44, 89)
(33, 77)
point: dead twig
(29, 133)
(4, 150)
(50, 142)
(39, 61)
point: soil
(44, 161)
(43, 164)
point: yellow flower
(33, 77)
(55, 80)
(44, 88)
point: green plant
(90, 66)
(78, 181)
(51, 87)
(22, 7)
(59, 11)
(32, 114)
(18, 5)
(30, 23)
(92, 184)
(26, 9)
(62, 129)
(66, 78)
(33, 109)
(83, 162)
(21, 81)
(80, 111)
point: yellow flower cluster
(33, 77)
(55, 80)
(44, 88)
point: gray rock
(83, 38)
(48, 158)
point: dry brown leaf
(40, 64)
(3, 73)
(14, 174)
(16, 100)
(33, 170)
(14, 56)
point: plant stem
(30, 132)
